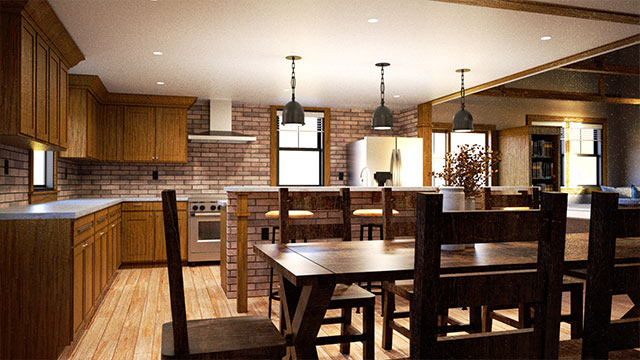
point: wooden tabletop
(293, 214)
(353, 261)
(372, 212)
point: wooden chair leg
(270, 291)
(344, 329)
(387, 318)
(369, 331)
(486, 318)
(576, 313)
(475, 318)
(443, 320)
(523, 312)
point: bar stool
(274, 214)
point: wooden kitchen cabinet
(88, 277)
(171, 135)
(35, 96)
(161, 245)
(84, 125)
(112, 133)
(78, 286)
(139, 134)
(138, 236)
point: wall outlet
(265, 234)
(6, 166)
(154, 174)
(340, 176)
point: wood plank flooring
(128, 323)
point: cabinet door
(97, 266)
(138, 236)
(54, 100)
(87, 257)
(182, 227)
(93, 128)
(171, 135)
(41, 98)
(78, 272)
(27, 83)
(63, 93)
(110, 250)
(118, 243)
(103, 259)
(112, 133)
(139, 133)
(161, 245)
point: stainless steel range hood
(220, 126)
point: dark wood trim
(606, 69)
(425, 131)
(273, 143)
(632, 40)
(507, 92)
(553, 9)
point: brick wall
(14, 186)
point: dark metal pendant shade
(462, 121)
(382, 118)
(293, 113)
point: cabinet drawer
(114, 212)
(101, 219)
(138, 206)
(82, 228)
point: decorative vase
(452, 199)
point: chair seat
(578, 273)
(572, 349)
(242, 337)
(402, 288)
(293, 214)
(350, 296)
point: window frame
(39, 194)
(325, 163)
(568, 186)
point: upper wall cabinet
(125, 127)
(36, 53)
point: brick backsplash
(210, 166)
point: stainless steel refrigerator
(402, 156)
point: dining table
(308, 273)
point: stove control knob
(195, 207)
(213, 207)
(201, 207)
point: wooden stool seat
(402, 288)
(293, 214)
(568, 281)
(372, 212)
(243, 337)
(572, 350)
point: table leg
(304, 310)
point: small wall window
(301, 151)
(43, 170)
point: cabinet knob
(150, 215)
(101, 233)
(113, 225)
(85, 245)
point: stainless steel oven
(204, 228)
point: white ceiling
(235, 49)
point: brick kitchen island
(247, 275)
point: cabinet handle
(85, 228)
(101, 233)
(113, 225)
(85, 245)
(101, 220)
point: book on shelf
(542, 148)
(541, 170)
(545, 187)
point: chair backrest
(174, 267)
(521, 198)
(605, 277)
(540, 287)
(392, 227)
(315, 201)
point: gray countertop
(324, 188)
(66, 209)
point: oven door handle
(206, 214)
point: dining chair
(345, 296)
(404, 288)
(241, 337)
(530, 198)
(539, 286)
(605, 338)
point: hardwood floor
(127, 324)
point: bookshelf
(530, 157)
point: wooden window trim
(42, 196)
(588, 120)
(273, 157)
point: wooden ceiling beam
(607, 69)
(556, 95)
(552, 9)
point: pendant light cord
(293, 79)
(382, 86)
(462, 88)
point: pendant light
(462, 120)
(293, 112)
(382, 116)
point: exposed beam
(556, 95)
(553, 9)
(608, 69)
(632, 40)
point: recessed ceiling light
(285, 89)
(158, 53)
(396, 96)
(545, 38)
(372, 21)
(160, 83)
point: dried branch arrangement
(469, 168)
